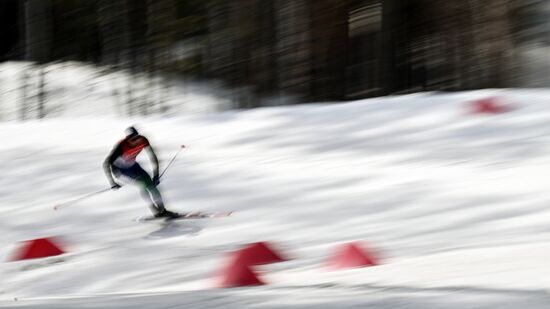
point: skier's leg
(156, 197)
(150, 193)
(147, 188)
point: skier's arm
(109, 161)
(154, 160)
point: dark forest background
(311, 50)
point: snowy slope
(455, 204)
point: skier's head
(131, 132)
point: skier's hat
(131, 132)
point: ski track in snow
(455, 204)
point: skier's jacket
(124, 154)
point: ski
(185, 216)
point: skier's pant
(148, 190)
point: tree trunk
(330, 38)
(294, 47)
(42, 96)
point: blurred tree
(9, 22)
(39, 43)
(494, 45)
(329, 36)
(114, 31)
(364, 51)
(251, 49)
(311, 50)
(294, 47)
(76, 33)
(38, 30)
(219, 48)
(161, 29)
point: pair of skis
(186, 216)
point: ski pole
(171, 161)
(78, 199)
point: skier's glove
(156, 180)
(115, 186)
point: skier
(122, 162)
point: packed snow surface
(454, 204)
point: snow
(74, 89)
(454, 203)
